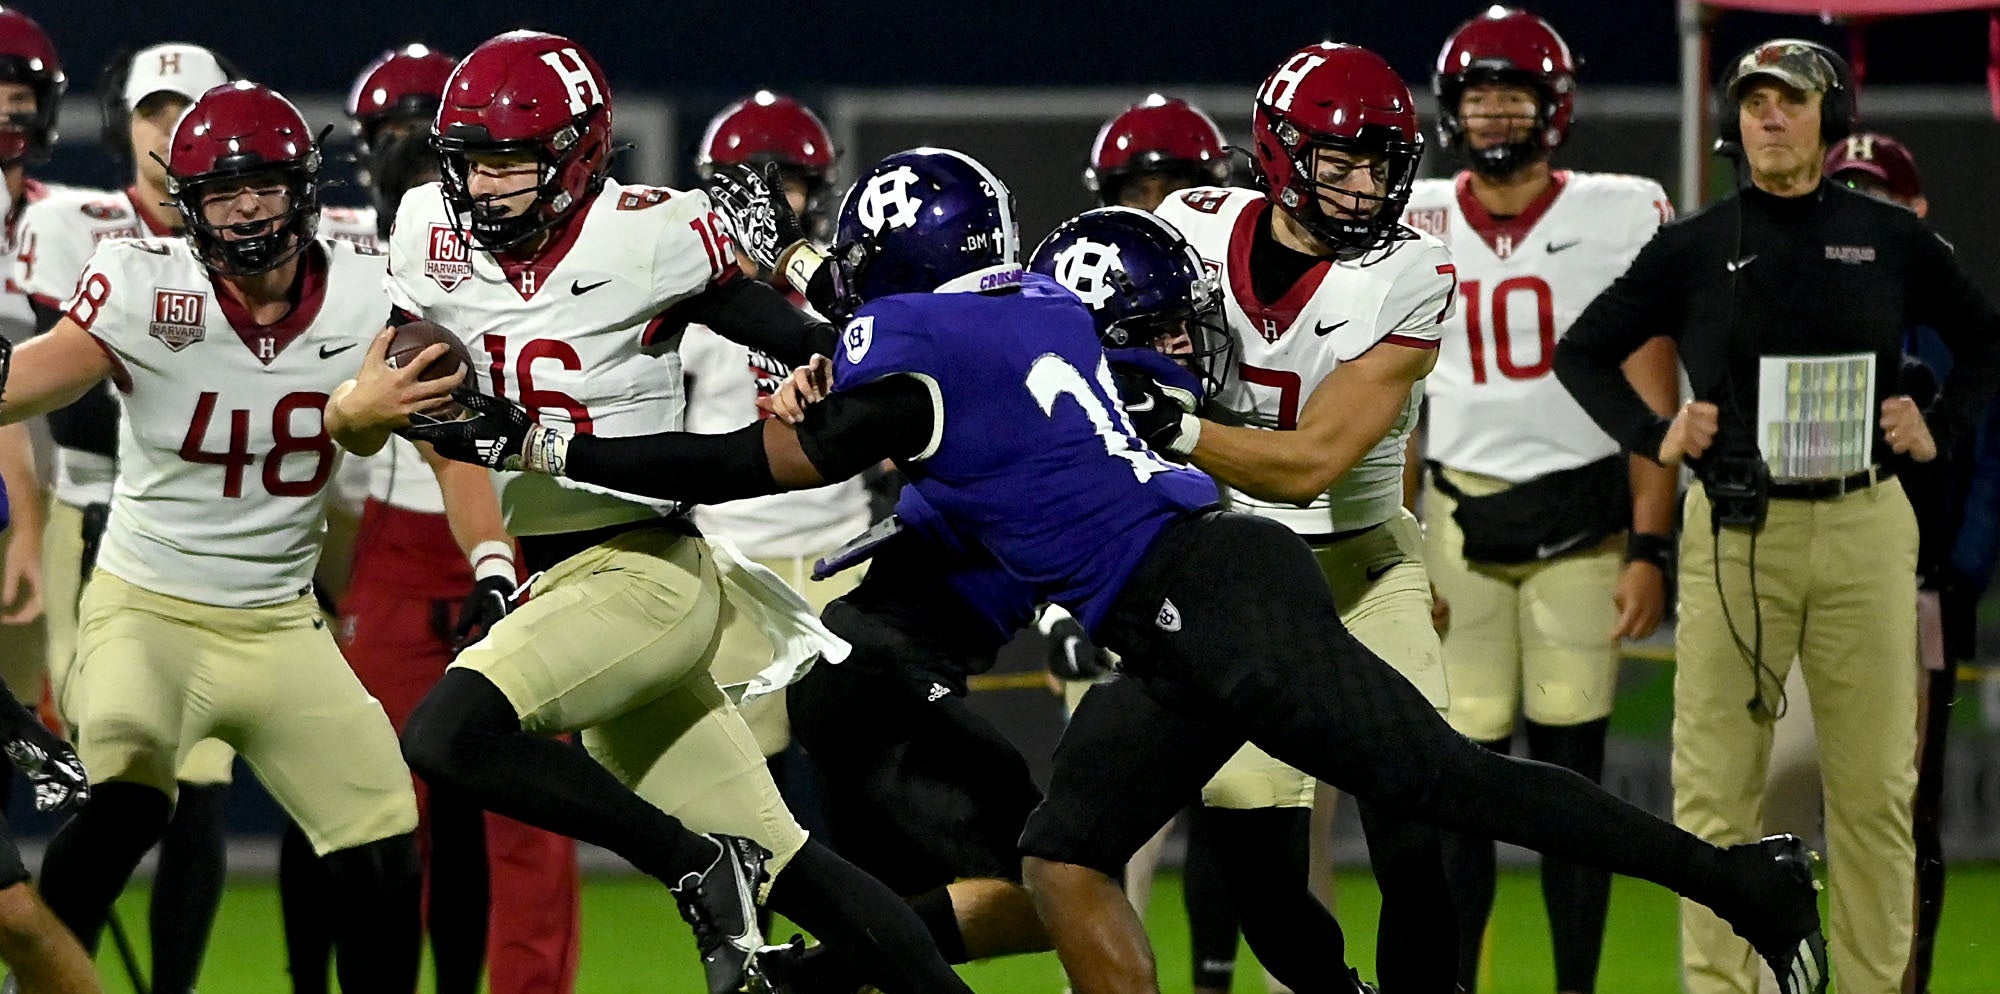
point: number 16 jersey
(223, 458)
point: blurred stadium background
(1024, 86)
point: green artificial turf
(635, 944)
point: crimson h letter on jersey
(583, 93)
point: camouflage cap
(1801, 65)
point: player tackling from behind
(573, 289)
(200, 621)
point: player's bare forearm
(1654, 371)
(471, 504)
(51, 371)
(24, 489)
(1346, 416)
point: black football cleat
(1785, 929)
(720, 904)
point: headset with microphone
(1837, 109)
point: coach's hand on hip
(1692, 432)
(1903, 425)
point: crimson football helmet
(768, 128)
(27, 56)
(234, 131)
(524, 91)
(1336, 98)
(402, 85)
(1510, 47)
(1156, 135)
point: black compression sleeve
(1645, 301)
(757, 315)
(842, 435)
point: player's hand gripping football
(49, 762)
(386, 396)
(754, 204)
(1160, 397)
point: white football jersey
(223, 459)
(58, 234)
(1496, 407)
(582, 335)
(724, 381)
(1337, 311)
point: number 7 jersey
(1495, 405)
(223, 460)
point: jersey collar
(1513, 230)
(308, 294)
(998, 277)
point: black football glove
(490, 600)
(754, 205)
(49, 762)
(1160, 397)
(1072, 656)
(492, 432)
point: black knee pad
(444, 736)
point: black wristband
(1656, 549)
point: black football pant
(1228, 633)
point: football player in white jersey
(1548, 544)
(1337, 309)
(725, 379)
(142, 94)
(575, 289)
(199, 621)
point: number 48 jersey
(1495, 405)
(582, 334)
(222, 457)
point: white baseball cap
(189, 70)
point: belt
(1829, 489)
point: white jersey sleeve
(58, 234)
(1422, 298)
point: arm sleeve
(753, 313)
(841, 436)
(1942, 297)
(1590, 357)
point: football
(413, 338)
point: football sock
(934, 909)
(377, 928)
(305, 899)
(1263, 852)
(1212, 923)
(862, 920)
(1468, 864)
(456, 912)
(1578, 897)
(465, 737)
(91, 858)
(188, 887)
(1416, 942)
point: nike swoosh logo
(1735, 264)
(1555, 247)
(326, 352)
(1544, 551)
(1142, 406)
(1327, 329)
(579, 289)
(1375, 573)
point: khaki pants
(616, 643)
(210, 761)
(1836, 580)
(1525, 638)
(154, 675)
(744, 650)
(1384, 595)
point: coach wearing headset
(1789, 302)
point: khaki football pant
(154, 675)
(1837, 583)
(1384, 595)
(210, 762)
(616, 643)
(744, 650)
(1526, 638)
